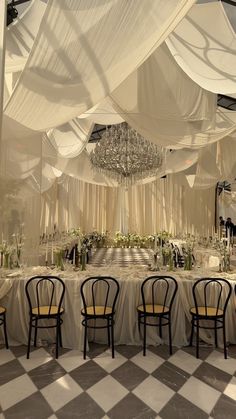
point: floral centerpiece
(224, 251)
(188, 253)
(167, 255)
(7, 252)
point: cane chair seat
(97, 311)
(153, 309)
(47, 310)
(2, 310)
(207, 311)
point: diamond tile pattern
(130, 386)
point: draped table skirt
(12, 292)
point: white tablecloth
(126, 328)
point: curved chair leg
(197, 342)
(29, 337)
(57, 336)
(192, 331)
(144, 335)
(60, 336)
(170, 336)
(5, 330)
(160, 327)
(35, 332)
(139, 321)
(216, 340)
(112, 338)
(109, 324)
(85, 338)
(224, 339)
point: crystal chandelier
(125, 156)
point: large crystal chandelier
(124, 155)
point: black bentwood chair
(45, 295)
(3, 323)
(211, 297)
(158, 294)
(99, 295)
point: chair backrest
(159, 289)
(211, 292)
(45, 291)
(99, 291)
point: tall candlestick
(46, 256)
(79, 245)
(155, 244)
(228, 237)
(52, 254)
(74, 256)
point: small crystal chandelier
(125, 156)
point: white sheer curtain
(166, 204)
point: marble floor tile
(216, 358)
(37, 358)
(170, 375)
(148, 363)
(16, 390)
(153, 393)
(81, 407)
(131, 407)
(34, 406)
(108, 363)
(107, 393)
(46, 373)
(88, 374)
(225, 408)
(212, 376)
(230, 389)
(61, 392)
(180, 408)
(185, 361)
(200, 394)
(129, 375)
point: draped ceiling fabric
(204, 45)
(83, 50)
(21, 36)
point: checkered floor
(129, 386)
(121, 257)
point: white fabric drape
(70, 139)
(216, 163)
(204, 45)
(83, 50)
(21, 35)
(165, 204)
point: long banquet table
(12, 296)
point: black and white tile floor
(121, 257)
(129, 386)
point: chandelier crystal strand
(125, 156)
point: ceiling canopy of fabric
(204, 45)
